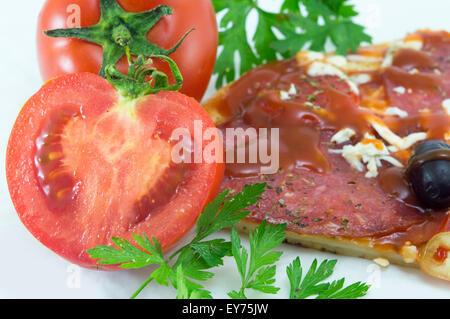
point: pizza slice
(364, 164)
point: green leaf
(294, 273)
(264, 35)
(201, 294)
(290, 6)
(193, 265)
(153, 247)
(187, 289)
(127, 255)
(225, 212)
(233, 39)
(298, 29)
(347, 36)
(240, 254)
(258, 271)
(265, 238)
(264, 279)
(181, 285)
(162, 274)
(213, 251)
(199, 256)
(335, 291)
(340, 7)
(236, 295)
(312, 284)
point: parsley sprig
(189, 266)
(299, 24)
(258, 271)
(312, 284)
(190, 262)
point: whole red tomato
(195, 57)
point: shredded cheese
(446, 106)
(305, 57)
(363, 58)
(409, 253)
(286, 95)
(369, 151)
(361, 78)
(399, 90)
(292, 90)
(320, 68)
(395, 111)
(394, 139)
(343, 135)
(313, 55)
(337, 60)
(383, 262)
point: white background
(29, 270)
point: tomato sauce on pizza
(348, 128)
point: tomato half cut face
(83, 164)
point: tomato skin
(195, 57)
(65, 232)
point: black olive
(429, 146)
(428, 173)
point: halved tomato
(84, 164)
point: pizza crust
(337, 245)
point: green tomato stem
(117, 30)
(135, 84)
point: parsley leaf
(190, 262)
(187, 289)
(321, 20)
(232, 40)
(222, 213)
(128, 255)
(212, 252)
(257, 270)
(312, 284)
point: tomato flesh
(87, 165)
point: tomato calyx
(136, 84)
(118, 30)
